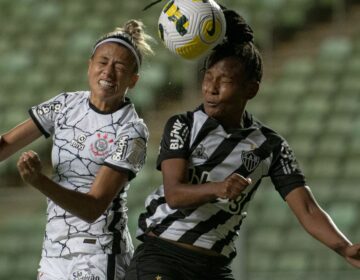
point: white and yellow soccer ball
(191, 28)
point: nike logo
(211, 31)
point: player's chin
(213, 111)
(106, 92)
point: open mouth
(211, 104)
(106, 84)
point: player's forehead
(229, 66)
(112, 50)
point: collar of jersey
(126, 102)
(247, 119)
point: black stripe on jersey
(116, 248)
(192, 235)
(220, 244)
(232, 255)
(110, 275)
(262, 152)
(221, 152)
(150, 210)
(219, 155)
(168, 221)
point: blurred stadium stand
(310, 94)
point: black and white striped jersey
(254, 151)
(85, 139)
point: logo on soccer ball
(191, 28)
(210, 29)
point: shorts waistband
(189, 254)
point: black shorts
(157, 259)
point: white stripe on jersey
(215, 154)
(200, 120)
(217, 173)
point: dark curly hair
(238, 42)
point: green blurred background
(310, 94)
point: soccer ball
(191, 28)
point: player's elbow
(173, 204)
(4, 150)
(172, 199)
(89, 220)
(92, 216)
(94, 212)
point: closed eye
(226, 81)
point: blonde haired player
(99, 145)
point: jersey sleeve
(45, 114)
(285, 171)
(129, 152)
(175, 140)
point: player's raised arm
(17, 138)
(180, 193)
(87, 206)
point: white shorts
(84, 267)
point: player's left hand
(29, 166)
(352, 255)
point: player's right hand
(29, 166)
(233, 186)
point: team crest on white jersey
(250, 160)
(101, 146)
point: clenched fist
(29, 166)
(233, 186)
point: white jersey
(84, 139)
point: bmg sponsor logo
(122, 146)
(46, 108)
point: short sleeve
(129, 152)
(45, 114)
(175, 140)
(285, 171)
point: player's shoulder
(179, 122)
(184, 118)
(77, 95)
(134, 126)
(262, 125)
(71, 97)
(271, 134)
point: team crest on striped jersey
(250, 160)
(200, 152)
